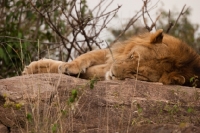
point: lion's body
(150, 57)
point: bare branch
(172, 25)
(181, 13)
(145, 10)
(134, 19)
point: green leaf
(18, 106)
(139, 108)
(92, 82)
(19, 35)
(29, 117)
(54, 128)
(2, 54)
(71, 99)
(18, 3)
(8, 19)
(189, 110)
(74, 93)
(191, 79)
(29, 15)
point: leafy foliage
(20, 28)
(23, 32)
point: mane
(119, 49)
(180, 51)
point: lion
(152, 57)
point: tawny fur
(154, 57)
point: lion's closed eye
(113, 75)
(133, 56)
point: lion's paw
(31, 68)
(42, 66)
(70, 69)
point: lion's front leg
(42, 66)
(97, 71)
(80, 64)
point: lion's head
(146, 57)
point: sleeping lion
(153, 57)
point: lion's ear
(157, 36)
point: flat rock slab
(60, 103)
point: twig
(172, 25)
(132, 21)
(145, 10)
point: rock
(3, 129)
(60, 103)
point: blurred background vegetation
(31, 30)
